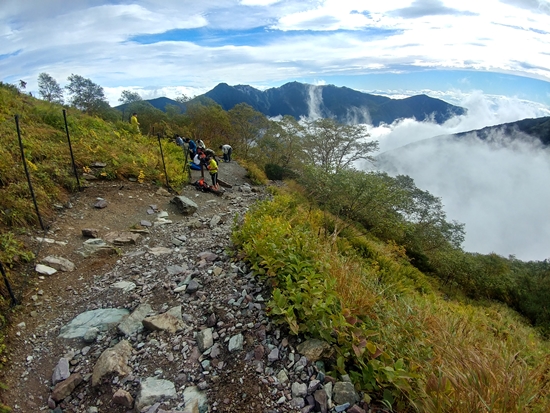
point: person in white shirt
(226, 149)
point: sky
(489, 56)
(167, 48)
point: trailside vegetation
(400, 338)
(365, 261)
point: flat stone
(299, 389)
(160, 250)
(125, 286)
(100, 204)
(134, 322)
(344, 392)
(123, 398)
(122, 238)
(90, 232)
(205, 340)
(236, 343)
(314, 349)
(153, 390)
(164, 322)
(59, 263)
(61, 371)
(192, 286)
(194, 397)
(66, 387)
(176, 269)
(44, 269)
(102, 319)
(208, 256)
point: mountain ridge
(328, 101)
(345, 104)
(537, 128)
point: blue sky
(398, 47)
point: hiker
(179, 141)
(196, 163)
(226, 150)
(134, 122)
(213, 169)
(200, 144)
(192, 147)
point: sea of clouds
(497, 188)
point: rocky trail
(145, 310)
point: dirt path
(203, 341)
(34, 346)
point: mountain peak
(330, 101)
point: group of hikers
(203, 157)
(200, 155)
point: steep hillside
(538, 128)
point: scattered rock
(90, 233)
(112, 360)
(59, 263)
(66, 387)
(44, 269)
(185, 205)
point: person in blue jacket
(192, 147)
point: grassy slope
(126, 154)
(400, 339)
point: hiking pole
(13, 299)
(186, 167)
(71, 150)
(163, 163)
(27, 172)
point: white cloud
(498, 189)
(258, 2)
(341, 36)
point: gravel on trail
(157, 315)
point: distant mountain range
(345, 104)
(538, 128)
(533, 129)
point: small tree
(281, 144)
(247, 125)
(49, 89)
(208, 122)
(334, 146)
(127, 96)
(183, 98)
(86, 95)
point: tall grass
(401, 340)
(125, 153)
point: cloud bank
(498, 188)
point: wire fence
(13, 292)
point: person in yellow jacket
(134, 122)
(213, 169)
